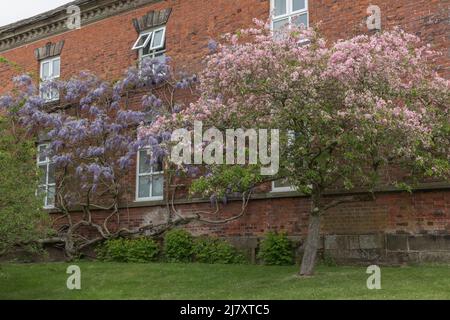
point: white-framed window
(288, 12)
(50, 70)
(47, 183)
(149, 177)
(151, 43)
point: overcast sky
(14, 10)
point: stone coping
(54, 22)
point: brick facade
(379, 229)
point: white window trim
(163, 29)
(289, 13)
(282, 189)
(46, 162)
(138, 175)
(42, 80)
(136, 44)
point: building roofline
(54, 21)
(40, 16)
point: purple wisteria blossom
(92, 133)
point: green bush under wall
(128, 250)
(214, 250)
(276, 249)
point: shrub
(213, 250)
(128, 250)
(178, 245)
(276, 249)
(142, 250)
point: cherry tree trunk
(311, 245)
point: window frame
(152, 173)
(136, 45)
(47, 162)
(163, 29)
(289, 13)
(155, 51)
(52, 77)
(282, 189)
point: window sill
(284, 189)
(52, 103)
(151, 199)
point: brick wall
(395, 228)
(103, 47)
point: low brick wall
(382, 248)
(396, 228)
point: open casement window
(50, 70)
(282, 185)
(151, 43)
(142, 40)
(288, 12)
(47, 182)
(149, 177)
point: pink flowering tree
(356, 114)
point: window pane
(146, 50)
(144, 186)
(157, 167)
(51, 196)
(280, 7)
(41, 193)
(54, 94)
(277, 25)
(42, 156)
(56, 68)
(142, 41)
(45, 70)
(144, 162)
(47, 93)
(300, 20)
(158, 39)
(158, 185)
(298, 5)
(43, 174)
(51, 173)
(44, 93)
(282, 183)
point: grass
(203, 281)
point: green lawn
(203, 281)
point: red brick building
(395, 227)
